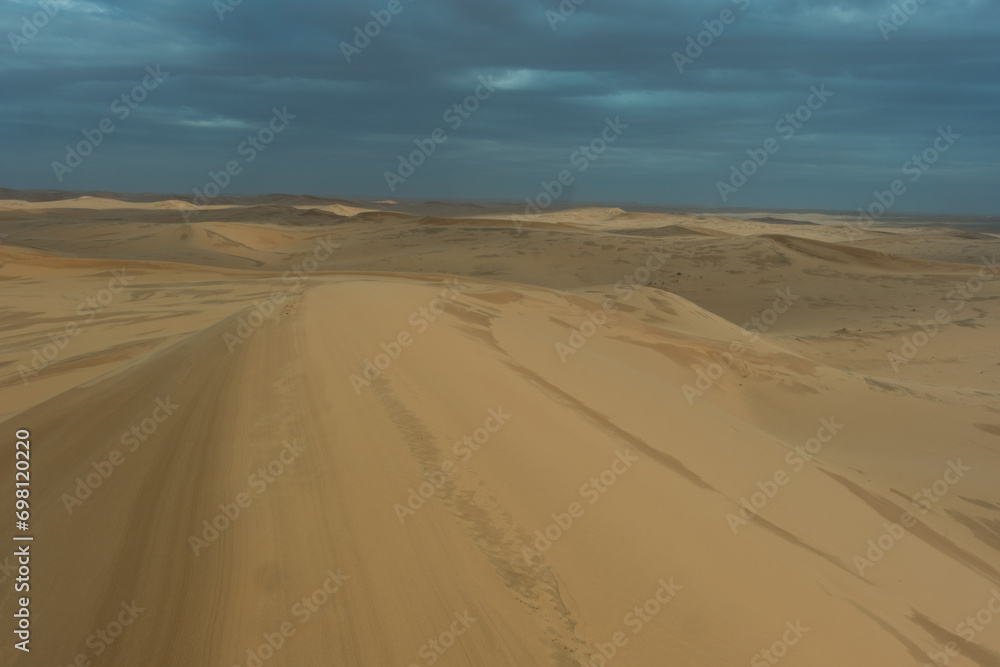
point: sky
(795, 104)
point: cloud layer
(898, 72)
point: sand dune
(390, 437)
(859, 257)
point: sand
(435, 433)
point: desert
(289, 430)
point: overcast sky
(555, 77)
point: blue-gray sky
(557, 76)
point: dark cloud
(557, 82)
